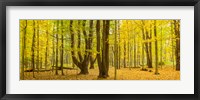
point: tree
(92, 60)
(62, 47)
(177, 33)
(156, 48)
(57, 46)
(38, 48)
(47, 44)
(53, 50)
(83, 64)
(116, 50)
(24, 48)
(33, 50)
(103, 63)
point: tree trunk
(119, 47)
(135, 50)
(147, 48)
(62, 47)
(161, 49)
(143, 46)
(156, 48)
(57, 47)
(177, 33)
(47, 43)
(53, 50)
(92, 60)
(83, 66)
(104, 63)
(99, 60)
(124, 53)
(38, 52)
(116, 51)
(172, 40)
(33, 50)
(24, 50)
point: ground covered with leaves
(165, 73)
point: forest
(99, 49)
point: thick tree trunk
(177, 33)
(156, 48)
(99, 60)
(83, 66)
(147, 49)
(104, 63)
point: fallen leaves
(166, 73)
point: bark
(38, 52)
(177, 33)
(24, 49)
(103, 64)
(172, 32)
(161, 49)
(92, 60)
(156, 48)
(57, 47)
(79, 42)
(116, 51)
(135, 50)
(53, 50)
(143, 46)
(99, 60)
(124, 53)
(147, 45)
(47, 44)
(62, 47)
(148, 50)
(33, 50)
(83, 66)
(119, 47)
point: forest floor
(166, 73)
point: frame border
(4, 3)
